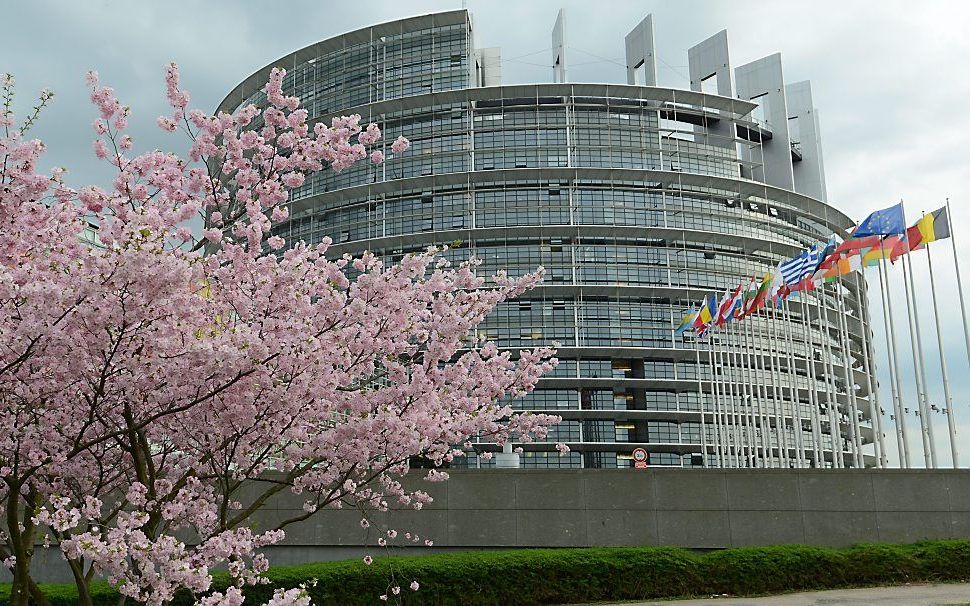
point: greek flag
(798, 268)
(792, 269)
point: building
(637, 199)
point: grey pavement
(945, 594)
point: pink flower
(167, 124)
(562, 448)
(100, 149)
(212, 235)
(368, 560)
(364, 523)
(276, 243)
(377, 157)
(415, 586)
(400, 145)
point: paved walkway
(905, 595)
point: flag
(855, 245)
(736, 311)
(884, 250)
(685, 322)
(904, 245)
(747, 297)
(843, 265)
(930, 228)
(727, 306)
(705, 314)
(791, 270)
(934, 226)
(759, 300)
(885, 222)
(797, 269)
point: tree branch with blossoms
(159, 389)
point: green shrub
(557, 576)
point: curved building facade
(637, 200)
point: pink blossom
(100, 149)
(377, 157)
(415, 586)
(368, 560)
(400, 145)
(562, 448)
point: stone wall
(699, 509)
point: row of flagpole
(747, 380)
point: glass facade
(633, 210)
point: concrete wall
(702, 509)
(687, 508)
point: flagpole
(875, 410)
(916, 344)
(849, 370)
(745, 402)
(757, 402)
(726, 406)
(734, 390)
(947, 395)
(741, 399)
(702, 400)
(794, 398)
(851, 410)
(715, 385)
(815, 403)
(835, 426)
(768, 435)
(956, 266)
(754, 402)
(781, 423)
(894, 372)
(757, 368)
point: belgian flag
(930, 228)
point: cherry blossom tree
(158, 389)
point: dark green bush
(557, 576)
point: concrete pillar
(507, 459)
(641, 52)
(559, 48)
(806, 138)
(763, 82)
(710, 59)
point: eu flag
(885, 222)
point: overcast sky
(890, 80)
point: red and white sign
(639, 458)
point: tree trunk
(37, 595)
(82, 582)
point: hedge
(558, 576)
